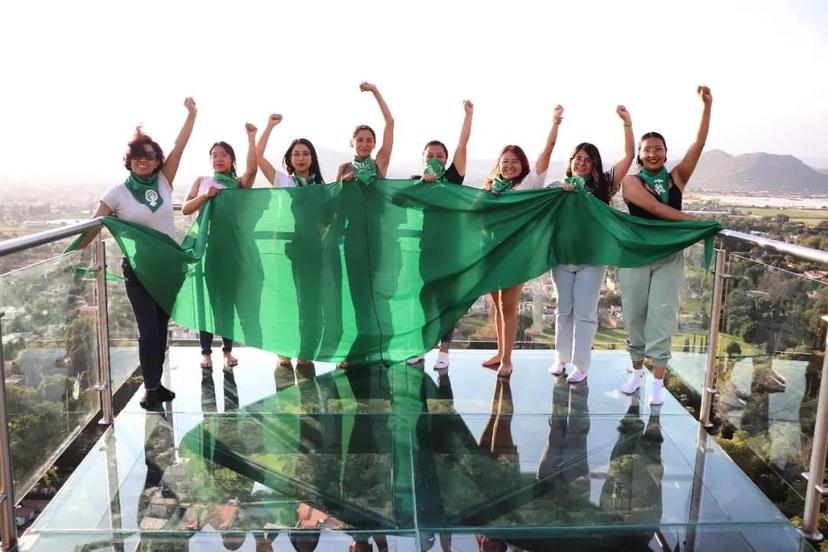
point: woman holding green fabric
(312, 253)
(650, 294)
(435, 157)
(579, 286)
(145, 198)
(223, 158)
(513, 170)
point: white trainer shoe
(558, 369)
(577, 376)
(631, 385)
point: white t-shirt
(125, 207)
(283, 180)
(533, 181)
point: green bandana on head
(501, 185)
(145, 191)
(365, 170)
(659, 182)
(435, 168)
(303, 181)
(229, 181)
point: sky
(78, 76)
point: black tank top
(673, 200)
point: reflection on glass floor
(272, 458)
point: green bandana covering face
(659, 182)
(145, 191)
(229, 181)
(501, 185)
(303, 181)
(365, 170)
(435, 168)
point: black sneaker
(152, 397)
(165, 393)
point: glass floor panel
(265, 457)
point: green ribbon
(501, 185)
(658, 182)
(229, 181)
(435, 168)
(144, 191)
(365, 170)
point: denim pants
(650, 298)
(152, 328)
(576, 318)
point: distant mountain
(756, 172)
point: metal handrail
(799, 251)
(7, 247)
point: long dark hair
(525, 167)
(314, 168)
(598, 185)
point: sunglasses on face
(142, 154)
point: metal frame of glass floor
(268, 457)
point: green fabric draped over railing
(376, 271)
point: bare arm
(193, 202)
(635, 193)
(687, 165)
(459, 158)
(344, 173)
(246, 179)
(384, 153)
(102, 211)
(542, 164)
(264, 164)
(174, 158)
(623, 165)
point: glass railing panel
(50, 345)
(770, 356)
(123, 331)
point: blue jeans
(576, 318)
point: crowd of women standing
(650, 294)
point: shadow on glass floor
(379, 458)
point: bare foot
(206, 361)
(505, 370)
(491, 362)
(284, 361)
(230, 360)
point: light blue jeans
(650, 298)
(576, 318)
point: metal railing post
(8, 523)
(104, 372)
(708, 390)
(819, 447)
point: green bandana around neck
(435, 168)
(576, 181)
(229, 181)
(145, 191)
(303, 181)
(365, 170)
(501, 185)
(659, 182)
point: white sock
(442, 357)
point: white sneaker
(558, 369)
(631, 385)
(657, 395)
(442, 364)
(577, 376)
(415, 360)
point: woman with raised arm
(301, 165)
(364, 140)
(512, 170)
(435, 157)
(145, 197)
(223, 159)
(579, 286)
(650, 294)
